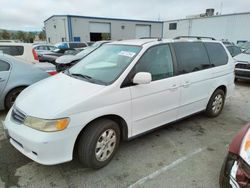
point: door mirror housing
(142, 78)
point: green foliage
(22, 35)
(42, 34)
(5, 35)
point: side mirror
(142, 78)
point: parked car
(41, 48)
(90, 43)
(10, 41)
(235, 171)
(71, 45)
(121, 90)
(50, 57)
(66, 61)
(24, 51)
(233, 49)
(242, 67)
(15, 76)
(244, 46)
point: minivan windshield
(247, 51)
(105, 64)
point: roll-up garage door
(143, 31)
(95, 27)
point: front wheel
(216, 103)
(98, 143)
(11, 97)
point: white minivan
(120, 91)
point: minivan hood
(242, 57)
(52, 97)
(65, 59)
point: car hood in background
(52, 97)
(65, 59)
(242, 57)
(45, 66)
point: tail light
(53, 72)
(35, 54)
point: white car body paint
(142, 107)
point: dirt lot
(188, 153)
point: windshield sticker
(127, 54)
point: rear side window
(156, 60)
(191, 57)
(12, 50)
(4, 66)
(217, 54)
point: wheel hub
(105, 145)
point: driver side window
(156, 60)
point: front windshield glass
(246, 45)
(105, 64)
(86, 51)
(247, 51)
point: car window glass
(217, 54)
(77, 45)
(105, 64)
(158, 61)
(4, 66)
(236, 50)
(12, 50)
(191, 56)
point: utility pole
(221, 8)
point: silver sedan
(15, 76)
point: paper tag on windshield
(127, 54)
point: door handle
(1, 80)
(186, 84)
(173, 87)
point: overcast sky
(30, 14)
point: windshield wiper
(89, 78)
(82, 76)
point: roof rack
(196, 37)
(158, 38)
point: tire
(11, 97)
(97, 134)
(215, 104)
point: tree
(42, 34)
(21, 35)
(30, 37)
(5, 35)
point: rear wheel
(98, 143)
(11, 97)
(216, 103)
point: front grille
(242, 66)
(17, 116)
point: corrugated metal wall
(231, 27)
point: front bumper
(242, 74)
(42, 147)
(234, 173)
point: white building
(81, 28)
(232, 27)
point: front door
(156, 103)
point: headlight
(245, 148)
(46, 125)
